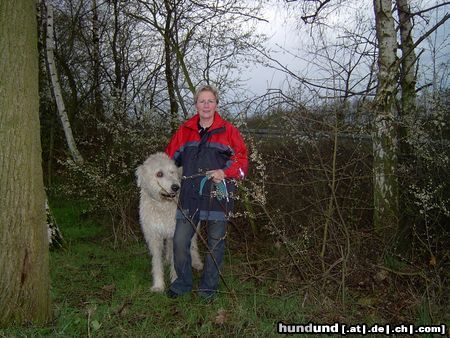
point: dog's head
(159, 177)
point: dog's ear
(139, 175)
(180, 171)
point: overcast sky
(281, 30)
(289, 33)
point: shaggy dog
(159, 180)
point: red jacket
(222, 147)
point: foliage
(425, 178)
(101, 291)
(107, 179)
(116, 85)
(316, 177)
(308, 197)
(321, 231)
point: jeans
(184, 231)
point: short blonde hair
(206, 88)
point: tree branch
(431, 8)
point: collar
(202, 131)
(193, 122)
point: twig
(402, 273)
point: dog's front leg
(156, 247)
(169, 259)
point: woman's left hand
(216, 175)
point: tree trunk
(408, 65)
(24, 261)
(98, 101)
(119, 97)
(168, 31)
(384, 137)
(76, 156)
(407, 110)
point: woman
(213, 154)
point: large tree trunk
(24, 266)
(76, 156)
(384, 136)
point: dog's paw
(197, 265)
(157, 288)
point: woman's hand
(216, 175)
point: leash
(201, 173)
(221, 189)
(220, 192)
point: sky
(282, 34)
(286, 32)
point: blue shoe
(207, 298)
(171, 294)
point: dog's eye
(159, 174)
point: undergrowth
(102, 289)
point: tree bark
(407, 109)
(407, 72)
(118, 64)
(76, 156)
(408, 66)
(96, 66)
(24, 261)
(168, 32)
(384, 137)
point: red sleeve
(173, 148)
(239, 166)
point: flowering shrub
(425, 177)
(106, 179)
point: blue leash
(221, 188)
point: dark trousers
(184, 231)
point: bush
(107, 177)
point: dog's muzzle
(173, 193)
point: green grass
(102, 291)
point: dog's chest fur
(160, 214)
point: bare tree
(393, 74)
(408, 62)
(76, 156)
(384, 135)
(167, 32)
(163, 17)
(24, 261)
(407, 110)
(96, 64)
(202, 42)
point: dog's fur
(159, 181)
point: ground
(102, 289)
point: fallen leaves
(221, 317)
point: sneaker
(171, 294)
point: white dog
(159, 180)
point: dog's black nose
(175, 187)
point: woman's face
(206, 105)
